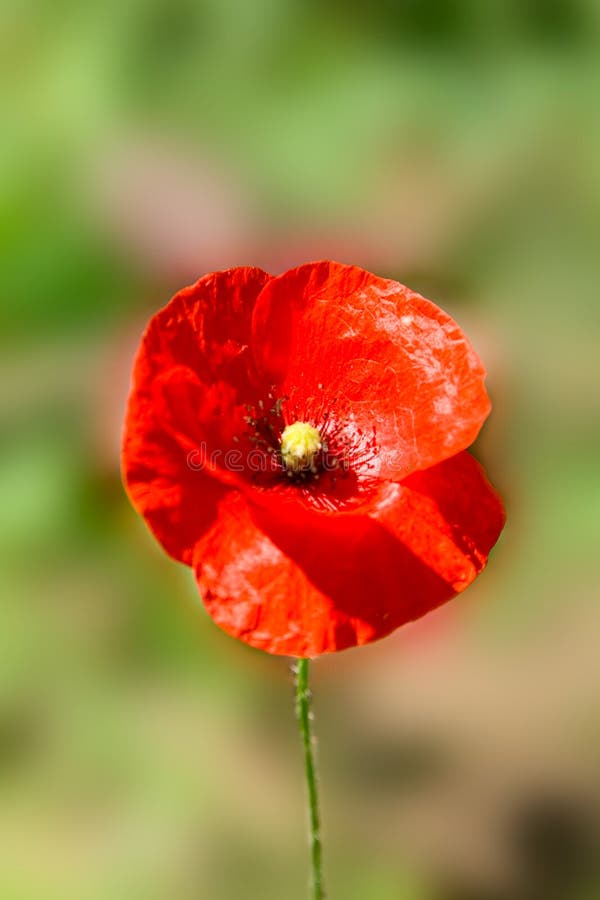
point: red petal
(378, 357)
(311, 583)
(201, 338)
(206, 327)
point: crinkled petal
(381, 360)
(206, 327)
(193, 368)
(311, 583)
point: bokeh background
(452, 144)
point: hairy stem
(304, 713)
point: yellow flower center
(300, 444)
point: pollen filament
(300, 444)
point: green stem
(304, 713)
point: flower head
(300, 441)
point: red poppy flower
(300, 442)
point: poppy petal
(206, 327)
(201, 337)
(311, 583)
(385, 364)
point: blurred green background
(452, 144)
